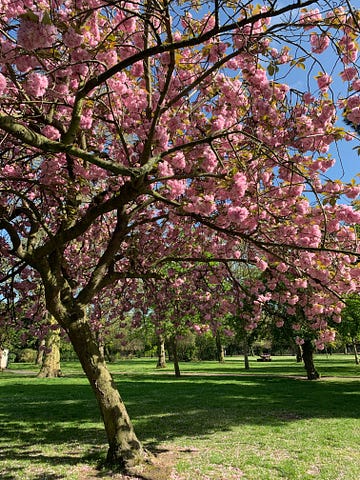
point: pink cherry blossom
(51, 132)
(32, 35)
(348, 74)
(324, 81)
(2, 83)
(36, 84)
(319, 43)
(72, 39)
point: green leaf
(30, 16)
(46, 19)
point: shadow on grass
(36, 414)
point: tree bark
(125, 450)
(161, 363)
(298, 354)
(356, 353)
(40, 352)
(175, 357)
(308, 358)
(50, 367)
(246, 353)
(219, 348)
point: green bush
(206, 346)
(27, 355)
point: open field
(216, 422)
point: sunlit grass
(223, 423)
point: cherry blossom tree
(136, 133)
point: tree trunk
(161, 352)
(307, 355)
(246, 353)
(356, 353)
(125, 450)
(40, 353)
(175, 357)
(219, 348)
(298, 354)
(50, 367)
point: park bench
(264, 357)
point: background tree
(139, 132)
(349, 328)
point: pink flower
(299, 341)
(177, 187)
(72, 39)
(353, 191)
(319, 43)
(348, 74)
(308, 98)
(282, 267)
(261, 264)
(178, 160)
(240, 184)
(2, 83)
(36, 84)
(356, 85)
(319, 345)
(51, 132)
(279, 323)
(324, 80)
(310, 18)
(296, 327)
(32, 35)
(237, 214)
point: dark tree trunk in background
(356, 353)
(173, 344)
(219, 348)
(246, 353)
(298, 354)
(308, 358)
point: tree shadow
(38, 414)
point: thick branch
(34, 139)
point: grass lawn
(217, 421)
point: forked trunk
(307, 355)
(125, 450)
(161, 363)
(50, 365)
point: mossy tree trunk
(40, 352)
(125, 450)
(308, 358)
(50, 366)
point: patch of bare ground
(160, 468)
